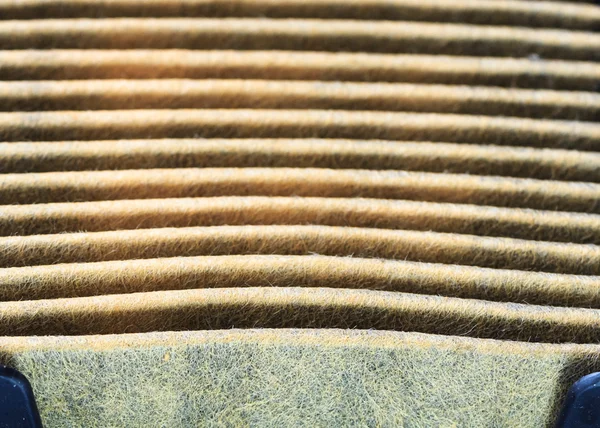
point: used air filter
(300, 212)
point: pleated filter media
(300, 212)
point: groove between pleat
(281, 65)
(384, 214)
(431, 247)
(134, 276)
(263, 94)
(241, 123)
(517, 13)
(196, 182)
(297, 307)
(298, 34)
(329, 153)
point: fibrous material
(300, 212)
(297, 377)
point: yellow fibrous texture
(300, 212)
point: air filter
(300, 212)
